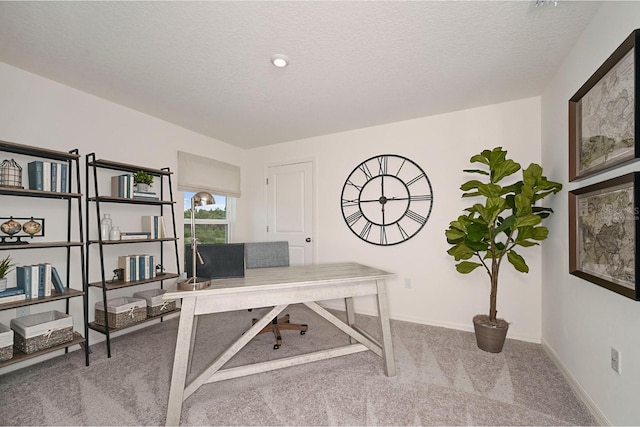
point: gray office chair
(272, 254)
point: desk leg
(387, 345)
(351, 316)
(181, 361)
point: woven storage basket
(155, 304)
(6, 343)
(122, 312)
(42, 330)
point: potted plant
(142, 181)
(505, 218)
(5, 268)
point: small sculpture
(11, 227)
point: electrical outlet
(615, 360)
(407, 283)
(22, 311)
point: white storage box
(122, 312)
(155, 304)
(42, 330)
(6, 343)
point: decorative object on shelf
(155, 304)
(386, 200)
(159, 270)
(491, 228)
(603, 115)
(33, 227)
(11, 227)
(6, 343)
(201, 198)
(142, 181)
(5, 268)
(121, 312)
(603, 227)
(105, 227)
(10, 174)
(118, 275)
(114, 234)
(39, 331)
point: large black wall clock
(386, 200)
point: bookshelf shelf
(72, 199)
(99, 172)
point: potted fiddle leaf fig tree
(502, 219)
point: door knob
(308, 239)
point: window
(213, 223)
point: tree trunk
(494, 290)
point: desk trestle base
(282, 323)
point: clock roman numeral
(347, 202)
(383, 163)
(366, 230)
(383, 235)
(417, 178)
(420, 197)
(403, 233)
(416, 217)
(365, 169)
(354, 217)
(358, 187)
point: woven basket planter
(6, 343)
(121, 312)
(42, 330)
(155, 304)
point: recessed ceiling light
(280, 61)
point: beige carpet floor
(443, 379)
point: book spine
(11, 292)
(47, 279)
(35, 281)
(41, 283)
(35, 175)
(13, 298)
(55, 278)
(63, 177)
(23, 275)
(142, 268)
(46, 176)
(54, 176)
(133, 270)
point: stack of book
(47, 176)
(154, 225)
(149, 195)
(137, 267)
(122, 186)
(133, 235)
(39, 280)
(12, 295)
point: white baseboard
(577, 388)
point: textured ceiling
(205, 65)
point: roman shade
(205, 174)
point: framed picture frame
(603, 114)
(603, 234)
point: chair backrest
(266, 254)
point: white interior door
(290, 209)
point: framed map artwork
(603, 234)
(603, 114)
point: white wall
(36, 111)
(442, 146)
(581, 321)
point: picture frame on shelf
(603, 234)
(603, 114)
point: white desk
(277, 287)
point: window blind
(204, 174)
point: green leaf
(476, 231)
(540, 233)
(476, 171)
(526, 243)
(528, 220)
(461, 251)
(517, 261)
(479, 158)
(454, 235)
(477, 246)
(506, 224)
(504, 169)
(466, 267)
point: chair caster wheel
(276, 346)
(302, 332)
